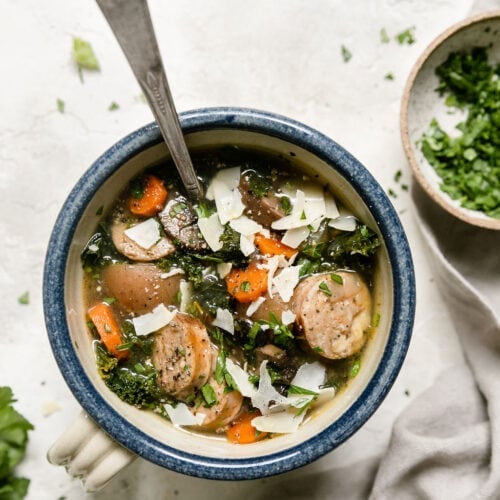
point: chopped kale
(99, 251)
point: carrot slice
(243, 432)
(247, 285)
(270, 246)
(152, 200)
(107, 327)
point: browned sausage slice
(128, 247)
(262, 209)
(182, 355)
(224, 411)
(333, 317)
(140, 287)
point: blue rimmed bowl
(146, 434)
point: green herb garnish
(337, 278)
(13, 441)
(469, 164)
(24, 299)
(324, 288)
(389, 76)
(113, 106)
(384, 37)
(346, 54)
(84, 56)
(406, 37)
(60, 105)
(208, 393)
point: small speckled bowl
(89, 452)
(421, 103)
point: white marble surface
(282, 56)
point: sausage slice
(182, 355)
(333, 317)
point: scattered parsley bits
(346, 54)
(113, 106)
(84, 56)
(60, 106)
(469, 164)
(324, 288)
(384, 37)
(406, 37)
(337, 278)
(355, 368)
(208, 393)
(389, 76)
(24, 299)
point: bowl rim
(192, 464)
(481, 220)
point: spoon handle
(131, 24)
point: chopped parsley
(84, 57)
(389, 76)
(384, 37)
(468, 164)
(113, 106)
(337, 278)
(324, 288)
(406, 37)
(209, 396)
(24, 299)
(60, 106)
(346, 54)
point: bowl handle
(89, 453)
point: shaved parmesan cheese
(294, 237)
(181, 415)
(285, 282)
(287, 317)
(173, 271)
(310, 376)
(224, 268)
(344, 223)
(246, 226)
(145, 234)
(332, 211)
(255, 305)
(266, 395)
(314, 202)
(153, 321)
(212, 230)
(240, 377)
(296, 218)
(224, 319)
(247, 246)
(326, 394)
(284, 422)
(186, 289)
(225, 192)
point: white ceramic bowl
(148, 435)
(421, 103)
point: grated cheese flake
(224, 319)
(211, 229)
(254, 306)
(285, 282)
(225, 192)
(240, 377)
(310, 376)
(145, 234)
(284, 422)
(181, 415)
(154, 320)
(266, 395)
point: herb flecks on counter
(468, 164)
(346, 54)
(84, 56)
(13, 441)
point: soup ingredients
(14, 430)
(140, 287)
(256, 314)
(246, 285)
(243, 432)
(107, 327)
(183, 356)
(149, 198)
(333, 322)
(469, 164)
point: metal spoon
(131, 24)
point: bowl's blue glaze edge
(219, 468)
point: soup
(241, 315)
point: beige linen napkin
(446, 444)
